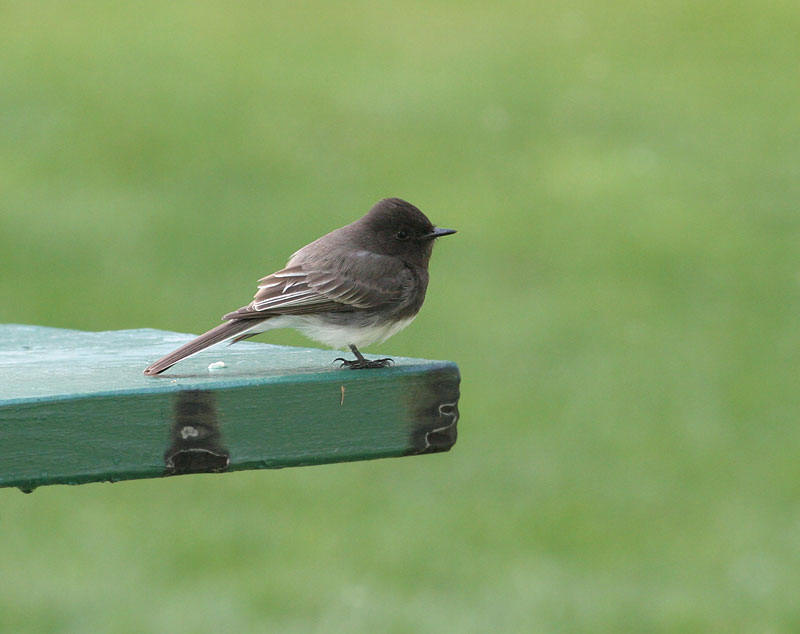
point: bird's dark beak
(438, 232)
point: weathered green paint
(75, 407)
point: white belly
(334, 336)
(341, 336)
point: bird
(355, 286)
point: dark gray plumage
(354, 286)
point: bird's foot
(364, 364)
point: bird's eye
(401, 235)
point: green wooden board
(75, 407)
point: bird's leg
(360, 363)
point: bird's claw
(365, 364)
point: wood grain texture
(75, 407)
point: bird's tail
(215, 335)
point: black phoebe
(352, 287)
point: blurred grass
(622, 299)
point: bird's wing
(361, 280)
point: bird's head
(402, 230)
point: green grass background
(622, 299)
